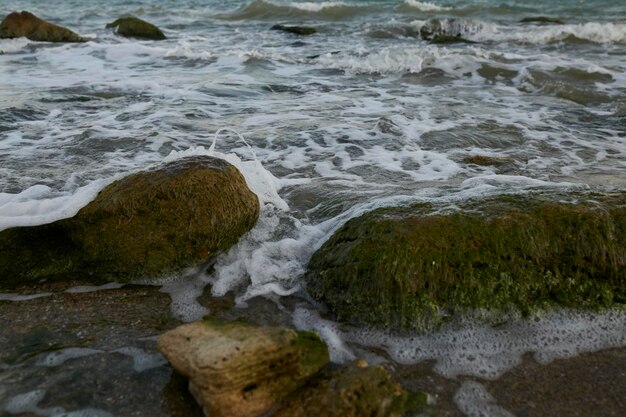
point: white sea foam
(41, 204)
(426, 6)
(474, 401)
(482, 351)
(59, 357)
(142, 360)
(316, 7)
(8, 46)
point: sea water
(363, 114)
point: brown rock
(25, 24)
(353, 391)
(239, 370)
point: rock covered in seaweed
(446, 31)
(145, 225)
(353, 391)
(26, 24)
(240, 370)
(296, 30)
(133, 27)
(405, 267)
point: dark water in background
(364, 113)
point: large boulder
(133, 27)
(240, 370)
(145, 225)
(25, 24)
(410, 267)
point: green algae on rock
(145, 225)
(25, 24)
(241, 370)
(133, 27)
(296, 30)
(407, 267)
(353, 391)
(542, 19)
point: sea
(365, 113)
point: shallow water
(362, 114)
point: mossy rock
(408, 268)
(25, 24)
(296, 30)
(447, 39)
(133, 27)
(353, 391)
(543, 20)
(145, 225)
(240, 370)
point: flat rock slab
(239, 370)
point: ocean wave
(8, 46)
(423, 6)
(594, 32)
(267, 10)
(484, 31)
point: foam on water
(478, 350)
(426, 6)
(474, 401)
(142, 360)
(59, 357)
(8, 46)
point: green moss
(136, 28)
(296, 30)
(313, 352)
(390, 268)
(352, 391)
(542, 19)
(146, 225)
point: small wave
(9, 46)
(424, 6)
(266, 10)
(594, 32)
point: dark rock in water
(354, 391)
(240, 370)
(408, 267)
(446, 39)
(297, 30)
(143, 226)
(542, 19)
(25, 24)
(132, 27)
(442, 31)
(485, 160)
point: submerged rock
(486, 160)
(353, 391)
(145, 225)
(297, 30)
(240, 370)
(542, 19)
(25, 24)
(447, 39)
(445, 31)
(133, 27)
(408, 267)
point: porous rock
(25, 24)
(240, 370)
(408, 267)
(145, 225)
(133, 27)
